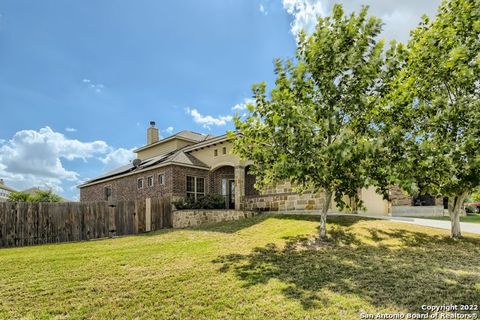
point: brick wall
(125, 188)
(215, 178)
(400, 198)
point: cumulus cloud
(208, 121)
(399, 17)
(118, 157)
(243, 105)
(36, 158)
(305, 13)
(169, 130)
(68, 129)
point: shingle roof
(175, 157)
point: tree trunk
(454, 207)
(323, 216)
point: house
(189, 164)
(4, 191)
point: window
(215, 152)
(140, 183)
(161, 179)
(224, 150)
(195, 187)
(108, 193)
(150, 181)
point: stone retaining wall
(193, 218)
(284, 202)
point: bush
(37, 196)
(470, 209)
(210, 201)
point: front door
(231, 194)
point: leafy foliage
(37, 196)
(313, 128)
(436, 94)
(209, 201)
(18, 196)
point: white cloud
(36, 158)
(68, 129)
(263, 9)
(208, 121)
(118, 157)
(399, 17)
(305, 13)
(169, 130)
(243, 105)
(97, 87)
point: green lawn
(260, 268)
(471, 219)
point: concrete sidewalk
(465, 227)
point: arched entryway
(222, 182)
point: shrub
(209, 201)
(37, 196)
(470, 209)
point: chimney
(152, 133)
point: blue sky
(80, 80)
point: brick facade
(400, 198)
(216, 176)
(125, 188)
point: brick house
(189, 164)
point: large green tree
(312, 128)
(434, 109)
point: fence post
(148, 214)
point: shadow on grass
(393, 268)
(237, 225)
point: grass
(470, 219)
(259, 268)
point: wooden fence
(27, 223)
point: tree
(437, 95)
(18, 196)
(44, 196)
(476, 196)
(37, 196)
(312, 129)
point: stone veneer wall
(281, 198)
(193, 218)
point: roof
(182, 135)
(5, 187)
(178, 157)
(34, 190)
(209, 142)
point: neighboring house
(189, 164)
(5, 191)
